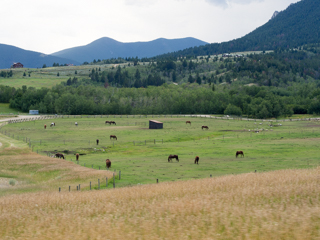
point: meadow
(274, 205)
(142, 154)
(273, 192)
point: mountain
(10, 54)
(299, 24)
(106, 48)
(274, 14)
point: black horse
(173, 156)
(59, 155)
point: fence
(100, 186)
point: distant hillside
(30, 59)
(106, 48)
(297, 25)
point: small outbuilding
(153, 124)
(17, 65)
(34, 112)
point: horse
(239, 153)
(113, 136)
(45, 126)
(173, 156)
(59, 155)
(77, 156)
(112, 122)
(76, 124)
(108, 163)
(52, 124)
(188, 122)
(97, 141)
(196, 160)
(107, 122)
(206, 127)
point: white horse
(76, 124)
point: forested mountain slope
(297, 25)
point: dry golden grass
(274, 205)
(33, 172)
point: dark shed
(153, 124)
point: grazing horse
(239, 153)
(45, 126)
(206, 127)
(112, 122)
(113, 136)
(107, 122)
(173, 156)
(77, 156)
(196, 160)
(108, 163)
(76, 124)
(188, 122)
(59, 155)
(52, 124)
(97, 141)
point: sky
(48, 26)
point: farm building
(34, 112)
(17, 65)
(153, 124)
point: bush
(12, 182)
(233, 110)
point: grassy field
(275, 205)
(235, 203)
(142, 158)
(5, 110)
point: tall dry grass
(274, 205)
(34, 172)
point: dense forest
(265, 85)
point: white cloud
(226, 3)
(50, 26)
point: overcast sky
(48, 26)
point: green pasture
(32, 82)
(6, 110)
(142, 154)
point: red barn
(17, 65)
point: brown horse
(173, 156)
(77, 156)
(107, 122)
(112, 122)
(108, 163)
(97, 141)
(113, 136)
(188, 122)
(206, 127)
(196, 160)
(45, 126)
(59, 155)
(239, 153)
